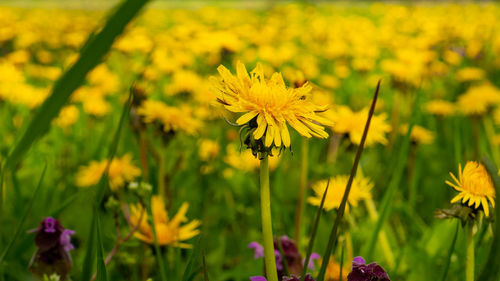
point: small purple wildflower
(54, 243)
(49, 225)
(258, 248)
(258, 278)
(310, 265)
(363, 272)
(291, 256)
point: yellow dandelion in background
(245, 161)
(470, 74)
(353, 123)
(171, 118)
(121, 171)
(360, 189)
(475, 186)
(208, 149)
(68, 116)
(168, 231)
(333, 271)
(440, 107)
(271, 104)
(418, 134)
(478, 99)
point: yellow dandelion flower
(68, 116)
(478, 99)
(440, 107)
(470, 74)
(353, 123)
(271, 104)
(172, 118)
(333, 271)
(168, 231)
(418, 134)
(121, 171)
(360, 189)
(208, 150)
(475, 186)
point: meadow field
(250, 142)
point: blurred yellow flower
(353, 123)
(121, 171)
(333, 271)
(469, 74)
(68, 116)
(245, 161)
(440, 107)
(477, 100)
(208, 149)
(172, 119)
(360, 189)
(475, 186)
(418, 134)
(169, 232)
(271, 104)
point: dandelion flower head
(475, 186)
(268, 105)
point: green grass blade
(21, 222)
(189, 272)
(341, 261)
(282, 253)
(313, 233)
(397, 175)
(88, 263)
(450, 252)
(91, 55)
(491, 271)
(340, 213)
(205, 271)
(101, 267)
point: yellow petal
(245, 118)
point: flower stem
(469, 258)
(267, 227)
(302, 190)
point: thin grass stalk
(490, 133)
(159, 258)
(450, 253)
(469, 249)
(313, 233)
(341, 210)
(302, 190)
(267, 226)
(382, 239)
(341, 261)
(491, 270)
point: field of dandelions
(279, 142)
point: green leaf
(491, 271)
(101, 267)
(90, 56)
(313, 233)
(386, 204)
(340, 213)
(21, 222)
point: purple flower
(54, 243)
(65, 240)
(285, 278)
(49, 225)
(310, 265)
(290, 255)
(258, 278)
(362, 272)
(259, 250)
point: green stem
(267, 227)
(490, 133)
(302, 190)
(382, 238)
(469, 258)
